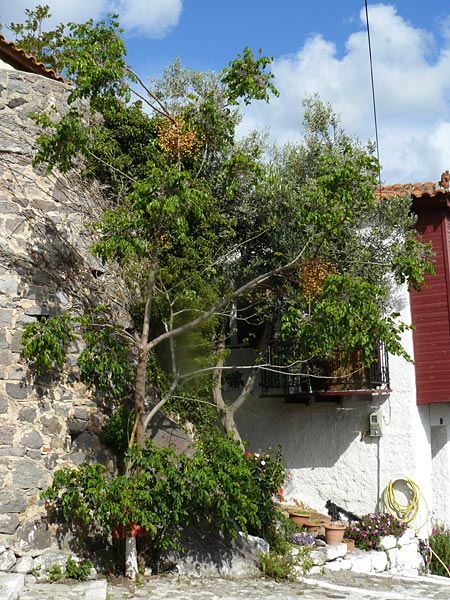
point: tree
(201, 225)
(354, 251)
(45, 46)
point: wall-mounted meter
(376, 423)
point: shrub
(368, 532)
(439, 543)
(78, 570)
(287, 566)
(164, 492)
(280, 567)
(268, 475)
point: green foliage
(30, 36)
(287, 566)
(246, 78)
(55, 573)
(74, 569)
(116, 432)
(347, 316)
(105, 361)
(68, 139)
(268, 475)
(163, 493)
(439, 543)
(280, 567)
(368, 532)
(45, 343)
(79, 570)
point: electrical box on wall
(376, 423)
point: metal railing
(339, 373)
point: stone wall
(45, 269)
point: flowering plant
(439, 546)
(368, 532)
(268, 475)
(268, 471)
(302, 539)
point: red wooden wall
(430, 308)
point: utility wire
(373, 96)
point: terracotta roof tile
(18, 59)
(429, 188)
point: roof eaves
(18, 59)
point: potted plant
(299, 516)
(334, 532)
(315, 525)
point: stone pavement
(341, 585)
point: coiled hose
(409, 511)
(405, 512)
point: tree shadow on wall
(53, 268)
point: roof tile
(25, 62)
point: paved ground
(342, 585)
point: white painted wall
(439, 416)
(329, 455)
(5, 65)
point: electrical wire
(373, 95)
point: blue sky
(317, 48)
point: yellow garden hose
(433, 553)
(408, 512)
(405, 512)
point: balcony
(324, 379)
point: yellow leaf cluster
(312, 274)
(176, 139)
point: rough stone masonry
(45, 269)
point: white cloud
(62, 11)
(149, 18)
(412, 90)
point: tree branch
(226, 300)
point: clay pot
(350, 545)
(120, 532)
(334, 533)
(300, 518)
(315, 527)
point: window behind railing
(342, 372)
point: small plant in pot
(315, 526)
(299, 516)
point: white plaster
(131, 564)
(329, 455)
(440, 451)
(6, 66)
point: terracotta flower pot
(300, 518)
(120, 532)
(334, 533)
(350, 545)
(315, 526)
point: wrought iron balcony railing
(342, 374)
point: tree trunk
(226, 411)
(131, 564)
(139, 397)
(229, 424)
